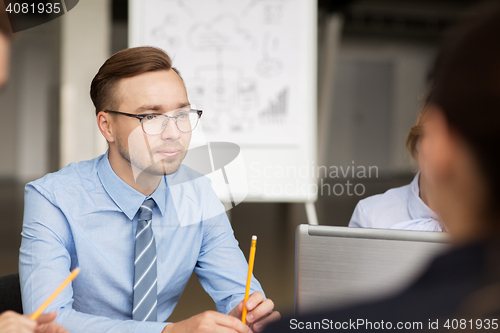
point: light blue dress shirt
(85, 215)
(398, 208)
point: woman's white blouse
(398, 208)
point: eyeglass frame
(142, 116)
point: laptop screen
(340, 266)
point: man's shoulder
(82, 174)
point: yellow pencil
(251, 260)
(71, 277)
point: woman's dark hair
(466, 86)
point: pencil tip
(254, 237)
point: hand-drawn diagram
(272, 10)
(181, 4)
(275, 112)
(267, 66)
(222, 33)
(229, 91)
(250, 65)
(272, 14)
(234, 62)
(165, 32)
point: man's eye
(182, 115)
(150, 117)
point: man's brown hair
(123, 64)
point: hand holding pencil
(71, 277)
(36, 322)
(254, 310)
(251, 261)
(256, 314)
(13, 322)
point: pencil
(71, 277)
(251, 260)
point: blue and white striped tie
(145, 279)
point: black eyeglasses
(155, 123)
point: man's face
(4, 60)
(153, 92)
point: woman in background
(409, 207)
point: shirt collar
(416, 207)
(126, 198)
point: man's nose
(171, 131)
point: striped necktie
(145, 280)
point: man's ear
(104, 121)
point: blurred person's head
(420, 154)
(462, 133)
(414, 139)
(5, 40)
(141, 81)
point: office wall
(379, 90)
(85, 45)
(29, 105)
(30, 119)
(47, 113)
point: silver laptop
(340, 266)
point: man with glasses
(135, 220)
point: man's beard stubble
(145, 167)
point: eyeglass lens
(155, 124)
